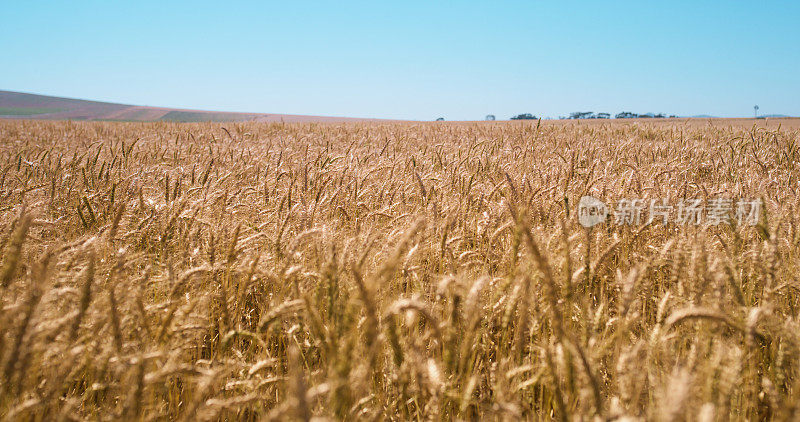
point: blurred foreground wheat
(392, 271)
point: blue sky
(410, 60)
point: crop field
(24, 111)
(396, 271)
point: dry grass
(392, 271)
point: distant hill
(19, 105)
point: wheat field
(400, 271)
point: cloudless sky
(410, 59)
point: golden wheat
(393, 271)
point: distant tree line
(589, 115)
(623, 115)
(586, 115)
(593, 115)
(629, 115)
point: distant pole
(755, 108)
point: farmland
(368, 270)
(20, 105)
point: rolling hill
(19, 105)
